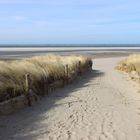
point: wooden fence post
(66, 74)
(79, 68)
(46, 90)
(27, 89)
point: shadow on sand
(27, 123)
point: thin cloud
(20, 2)
(19, 18)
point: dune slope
(102, 105)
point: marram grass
(41, 69)
(131, 65)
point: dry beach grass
(38, 70)
(131, 65)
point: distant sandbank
(95, 52)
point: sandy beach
(101, 105)
(95, 52)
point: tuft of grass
(131, 65)
(41, 70)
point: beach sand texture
(102, 105)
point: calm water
(71, 45)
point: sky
(69, 21)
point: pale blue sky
(69, 21)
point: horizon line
(72, 45)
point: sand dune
(102, 105)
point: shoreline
(17, 53)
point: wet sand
(17, 53)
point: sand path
(102, 105)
